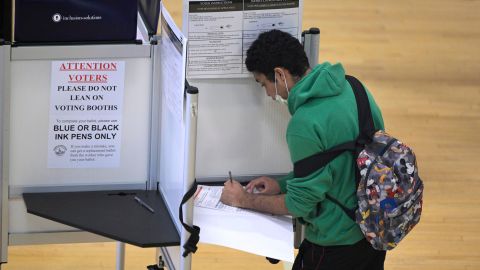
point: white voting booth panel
(172, 168)
(176, 133)
(240, 130)
(4, 105)
(27, 167)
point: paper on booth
(220, 32)
(86, 106)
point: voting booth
(81, 126)
(240, 128)
(101, 136)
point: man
(324, 114)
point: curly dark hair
(273, 49)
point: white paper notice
(220, 32)
(254, 232)
(172, 66)
(262, 16)
(86, 104)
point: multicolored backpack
(389, 190)
(389, 193)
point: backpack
(389, 190)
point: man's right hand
(263, 185)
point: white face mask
(279, 98)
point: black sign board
(75, 20)
(6, 20)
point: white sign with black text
(86, 105)
(220, 32)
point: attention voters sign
(86, 104)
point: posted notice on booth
(86, 104)
(220, 32)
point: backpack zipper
(384, 149)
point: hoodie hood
(325, 80)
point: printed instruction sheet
(220, 32)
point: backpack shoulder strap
(365, 119)
(366, 126)
(314, 162)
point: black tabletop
(113, 214)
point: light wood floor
(421, 60)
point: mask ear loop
(277, 96)
(285, 81)
(275, 83)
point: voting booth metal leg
(311, 45)
(169, 257)
(314, 46)
(120, 265)
(191, 115)
(155, 118)
(4, 147)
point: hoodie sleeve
(282, 182)
(303, 194)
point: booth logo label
(56, 17)
(60, 150)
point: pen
(230, 175)
(142, 203)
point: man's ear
(279, 73)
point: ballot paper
(209, 197)
(262, 234)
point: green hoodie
(324, 114)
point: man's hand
(264, 185)
(268, 202)
(233, 194)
